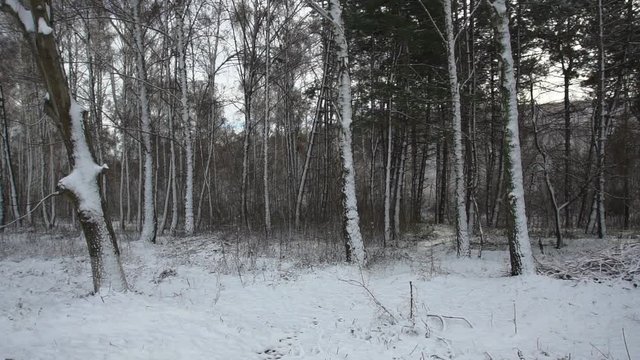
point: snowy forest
(320, 179)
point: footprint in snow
(284, 347)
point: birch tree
(149, 223)
(600, 129)
(265, 131)
(519, 245)
(351, 227)
(186, 120)
(82, 183)
(462, 233)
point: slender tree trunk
(462, 234)
(600, 131)
(547, 176)
(568, 223)
(174, 179)
(149, 224)
(312, 136)
(265, 130)
(519, 246)
(399, 189)
(351, 219)
(181, 45)
(13, 193)
(387, 181)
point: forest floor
(220, 297)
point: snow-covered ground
(202, 298)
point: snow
(82, 182)
(43, 27)
(216, 305)
(25, 16)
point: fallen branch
(373, 297)
(616, 262)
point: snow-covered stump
(519, 245)
(82, 184)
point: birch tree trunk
(149, 223)
(13, 193)
(188, 126)
(265, 131)
(601, 131)
(82, 184)
(387, 182)
(519, 245)
(462, 233)
(353, 238)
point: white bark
(149, 226)
(519, 245)
(188, 126)
(265, 131)
(355, 246)
(462, 233)
(387, 182)
(173, 180)
(601, 130)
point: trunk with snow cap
(519, 246)
(82, 184)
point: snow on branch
(81, 181)
(25, 16)
(619, 261)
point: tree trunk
(387, 181)
(13, 193)
(351, 219)
(82, 184)
(149, 224)
(265, 129)
(519, 246)
(399, 188)
(462, 234)
(600, 131)
(186, 120)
